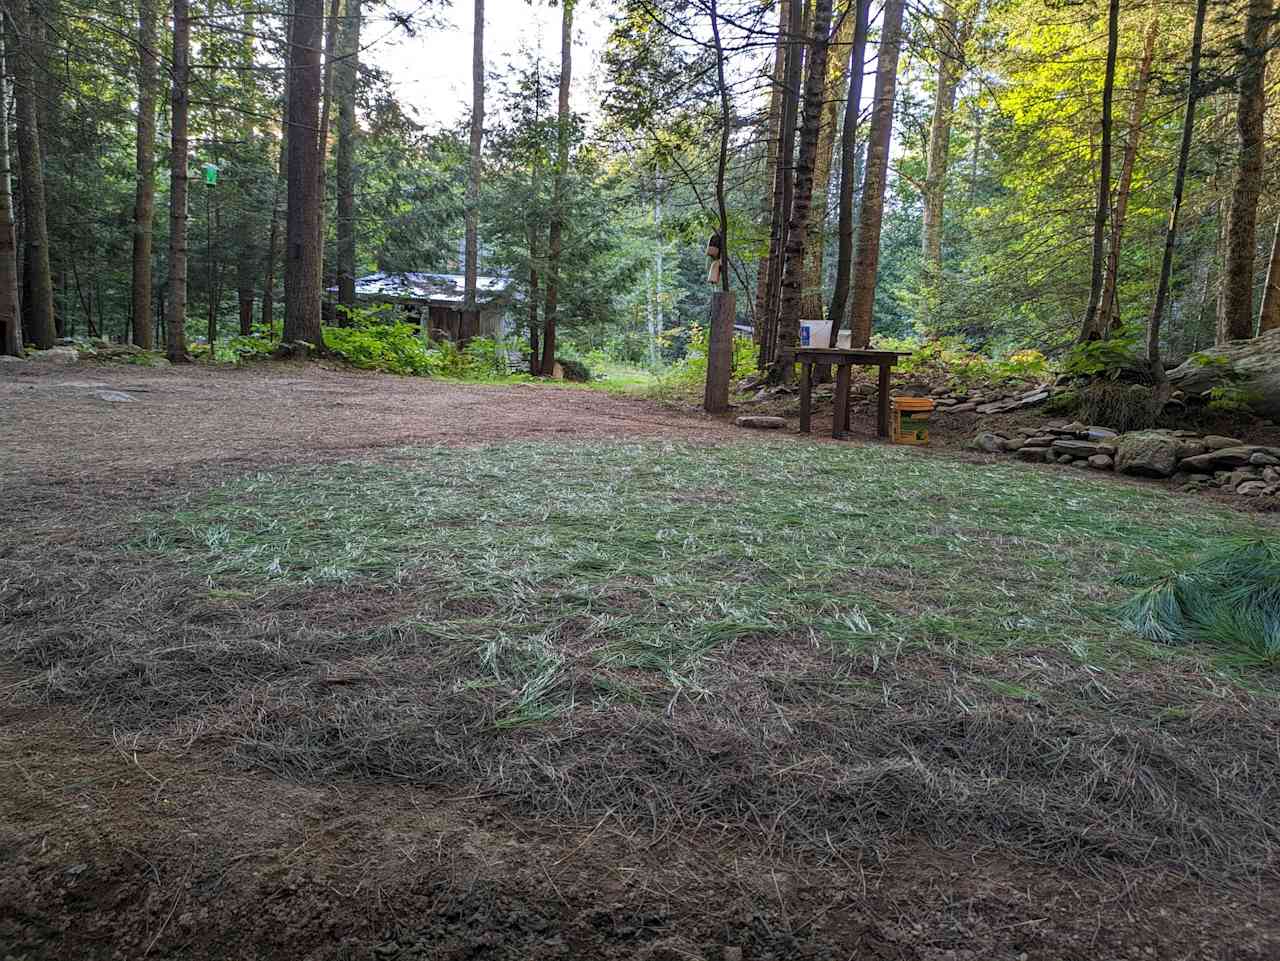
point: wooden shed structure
(435, 300)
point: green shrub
(691, 370)
(574, 370)
(1065, 404)
(395, 348)
(1233, 399)
(1104, 358)
(950, 358)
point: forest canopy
(1001, 173)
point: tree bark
(533, 230)
(1108, 316)
(144, 202)
(811, 301)
(10, 321)
(273, 236)
(176, 312)
(797, 229)
(1235, 316)
(247, 234)
(763, 266)
(1269, 317)
(303, 256)
(784, 180)
(344, 166)
(715, 398)
(951, 42)
(1089, 328)
(473, 169)
(1154, 360)
(849, 169)
(556, 231)
(871, 212)
(326, 112)
(39, 302)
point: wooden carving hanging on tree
(713, 251)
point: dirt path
(62, 421)
(115, 848)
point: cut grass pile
(1228, 597)
(827, 647)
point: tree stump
(723, 308)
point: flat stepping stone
(114, 396)
(760, 422)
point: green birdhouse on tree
(211, 175)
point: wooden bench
(844, 361)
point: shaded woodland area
(1001, 173)
(299, 659)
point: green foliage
(574, 370)
(952, 359)
(1202, 359)
(395, 348)
(1065, 404)
(1103, 358)
(1228, 598)
(1233, 399)
(691, 371)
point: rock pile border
(1191, 460)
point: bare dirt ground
(115, 849)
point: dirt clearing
(306, 664)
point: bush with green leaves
(395, 348)
(1228, 598)
(952, 359)
(1104, 358)
(691, 370)
(574, 369)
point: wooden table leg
(840, 416)
(882, 419)
(806, 396)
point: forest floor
(297, 663)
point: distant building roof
(441, 290)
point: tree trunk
(784, 179)
(347, 80)
(273, 236)
(975, 155)
(951, 43)
(555, 234)
(871, 213)
(849, 169)
(176, 314)
(10, 321)
(39, 302)
(1269, 318)
(1089, 328)
(793, 260)
(811, 301)
(322, 169)
(473, 168)
(1154, 361)
(763, 266)
(247, 233)
(303, 256)
(144, 201)
(1235, 317)
(1108, 316)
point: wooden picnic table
(844, 361)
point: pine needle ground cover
(825, 648)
